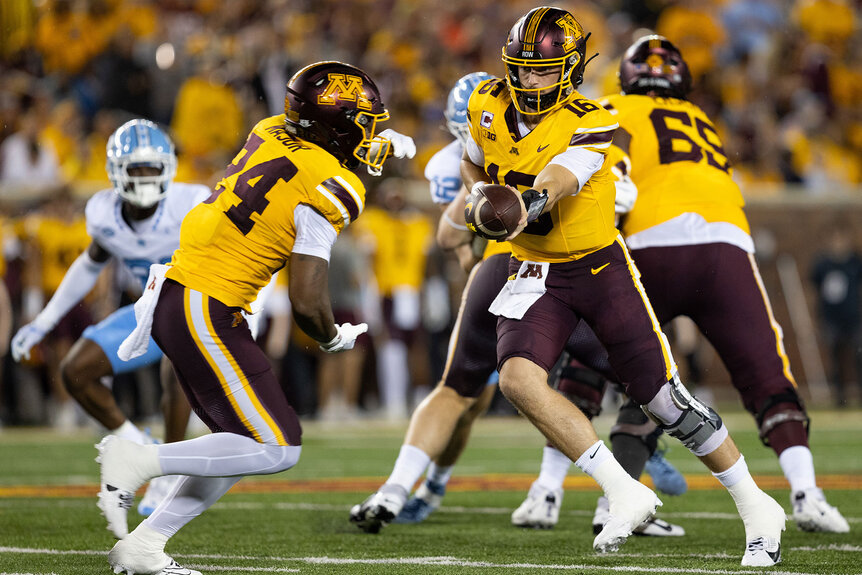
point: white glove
(25, 339)
(402, 147)
(345, 338)
(626, 190)
(627, 193)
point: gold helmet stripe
(533, 25)
(655, 42)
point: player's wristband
(535, 202)
(333, 342)
(477, 185)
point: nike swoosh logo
(593, 454)
(540, 148)
(594, 271)
(775, 555)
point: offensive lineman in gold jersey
(282, 202)
(690, 238)
(535, 132)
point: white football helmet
(137, 144)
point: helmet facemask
(373, 149)
(537, 101)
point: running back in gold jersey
(247, 224)
(577, 225)
(678, 162)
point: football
(492, 211)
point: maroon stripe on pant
(202, 386)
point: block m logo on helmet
(344, 87)
(572, 32)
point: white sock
(129, 431)
(598, 462)
(225, 454)
(394, 376)
(439, 473)
(191, 497)
(152, 541)
(745, 493)
(555, 467)
(733, 474)
(409, 467)
(798, 466)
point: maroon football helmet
(545, 37)
(654, 66)
(337, 106)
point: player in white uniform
(138, 224)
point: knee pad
(581, 386)
(682, 416)
(781, 408)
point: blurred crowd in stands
(782, 79)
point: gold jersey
(59, 242)
(577, 225)
(400, 245)
(232, 243)
(677, 162)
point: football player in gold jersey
(690, 238)
(537, 134)
(281, 204)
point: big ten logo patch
(344, 87)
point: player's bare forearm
(558, 181)
(467, 256)
(309, 296)
(452, 230)
(471, 173)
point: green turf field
(296, 522)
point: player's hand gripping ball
(493, 211)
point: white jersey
(444, 173)
(154, 239)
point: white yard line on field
(443, 561)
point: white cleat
(158, 490)
(762, 552)
(655, 527)
(652, 527)
(541, 508)
(380, 509)
(811, 512)
(118, 482)
(129, 558)
(763, 533)
(628, 510)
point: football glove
(345, 338)
(24, 340)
